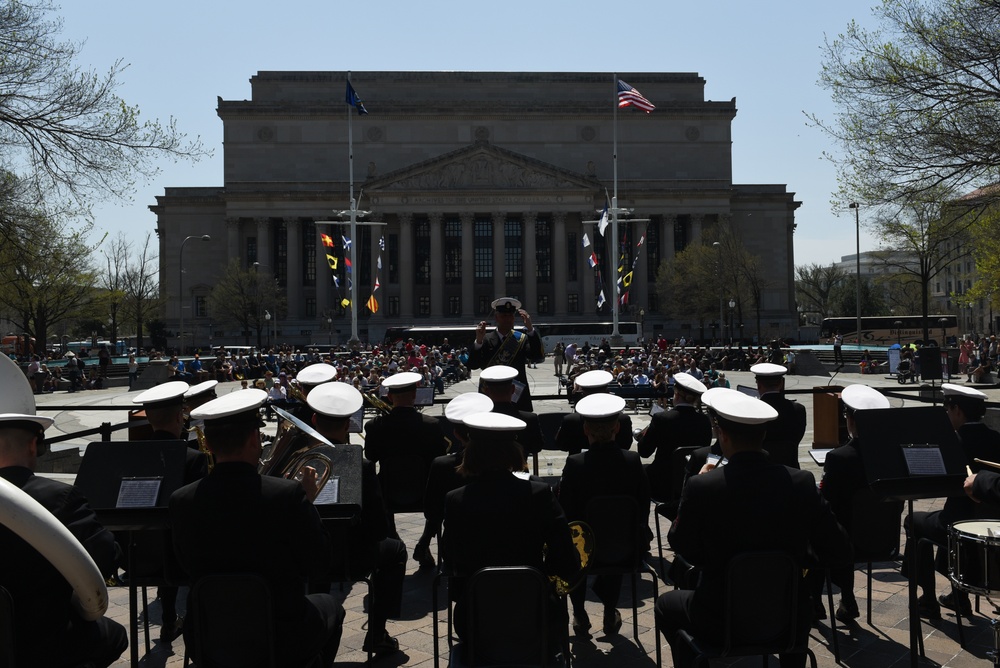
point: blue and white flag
(347, 242)
(355, 101)
(600, 299)
(604, 220)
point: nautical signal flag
(604, 220)
(345, 302)
(347, 263)
(627, 280)
(381, 243)
(372, 304)
(592, 260)
(347, 242)
(600, 299)
(352, 99)
(586, 241)
(327, 240)
(630, 97)
(332, 261)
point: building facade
(485, 183)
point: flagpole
(354, 341)
(616, 336)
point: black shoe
(422, 555)
(612, 623)
(581, 624)
(384, 644)
(959, 602)
(847, 611)
(170, 631)
(928, 608)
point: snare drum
(974, 556)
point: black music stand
(926, 430)
(345, 464)
(105, 466)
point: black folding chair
(7, 638)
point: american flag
(630, 97)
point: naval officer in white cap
(603, 470)
(47, 628)
(966, 407)
(570, 437)
(753, 503)
(506, 345)
(236, 521)
(785, 432)
(497, 382)
(500, 519)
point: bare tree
(63, 129)
(814, 287)
(244, 296)
(141, 292)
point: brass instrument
(199, 433)
(381, 406)
(583, 541)
(296, 446)
(296, 392)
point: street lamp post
(899, 326)
(732, 305)
(267, 318)
(257, 266)
(857, 233)
(180, 286)
(329, 326)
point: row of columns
(561, 225)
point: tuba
(296, 447)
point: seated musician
(570, 437)
(164, 407)
(444, 476)
(500, 519)
(497, 383)
(753, 503)
(603, 470)
(966, 408)
(843, 476)
(236, 521)
(48, 632)
(365, 547)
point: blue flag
(354, 100)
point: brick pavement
(885, 643)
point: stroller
(904, 371)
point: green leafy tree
(844, 298)
(63, 129)
(918, 100)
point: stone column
(233, 239)
(293, 280)
(406, 276)
(499, 273)
(560, 264)
(264, 243)
(667, 237)
(437, 265)
(530, 270)
(468, 265)
(697, 221)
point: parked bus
(883, 330)
(551, 333)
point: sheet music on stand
(923, 459)
(137, 492)
(330, 492)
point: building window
(309, 253)
(652, 244)
(484, 307)
(573, 302)
(513, 239)
(483, 251)
(654, 304)
(571, 256)
(310, 307)
(424, 306)
(422, 251)
(392, 305)
(453, 251)
(251, 250)
(543, 251)
(200, 306)
(454, 305)
(543, 304)
(392, 252)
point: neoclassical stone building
(484, 181)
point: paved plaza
(883, 643)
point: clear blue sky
(184, 54)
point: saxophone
(583, 540)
